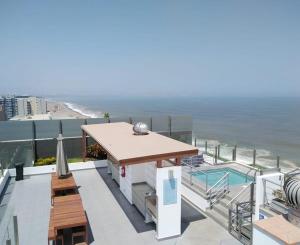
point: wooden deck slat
(62, 184)
(63, 199)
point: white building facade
(30, 106)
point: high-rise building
(26, 105)
(22, 105)
(38, 105)
(9, 104)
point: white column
(168, 191)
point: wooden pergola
(124, 147)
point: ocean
(270, 125)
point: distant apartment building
(2, 113)
(30, 105)
(22, 106)
(9, 105)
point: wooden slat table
(68, 212)
(64, 184)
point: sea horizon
(267, 124)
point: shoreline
(66, 110)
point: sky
(150, 48)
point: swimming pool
(213, 175)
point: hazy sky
(198, 48)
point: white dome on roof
(140, 128)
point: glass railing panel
(161, 124)
(47, 129)
(181, 124)
(72, 148)
(7, 228)
(185, 136)
(16, 152)
(45, 148)
(119, 119)
(181, 128)
(72, 127)
(16, 130)
(96, 120)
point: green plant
(45, 161)
(106, 115)
(95, 151)
(279, 194)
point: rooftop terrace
(111, 219)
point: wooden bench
(66, 185)
(67, 212)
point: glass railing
(9, 227)
(27, 141)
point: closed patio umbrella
(62, 168)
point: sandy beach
(59, 110)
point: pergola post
(83, 145)
(178, 161)
(159, 164)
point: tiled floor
(109, 223)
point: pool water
(213, 175)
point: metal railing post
(254, 157)
(252, 197)
(2, 168)
(195, 142)
(170, 125)
(16, 232)
(191, 175)
(278, 162)
(219, 151)
(216, 154)
(205, 147)
(234, 153)
(229, 220)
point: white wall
(150, 174)
(126, 183)
(261, 238)
(259, 195)
(134, 174)
(52, 168)
(3, 180)
(168, 216)
(194, 197)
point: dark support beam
(178, 161)
(83, 145)
(159, 164)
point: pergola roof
(120, 142)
